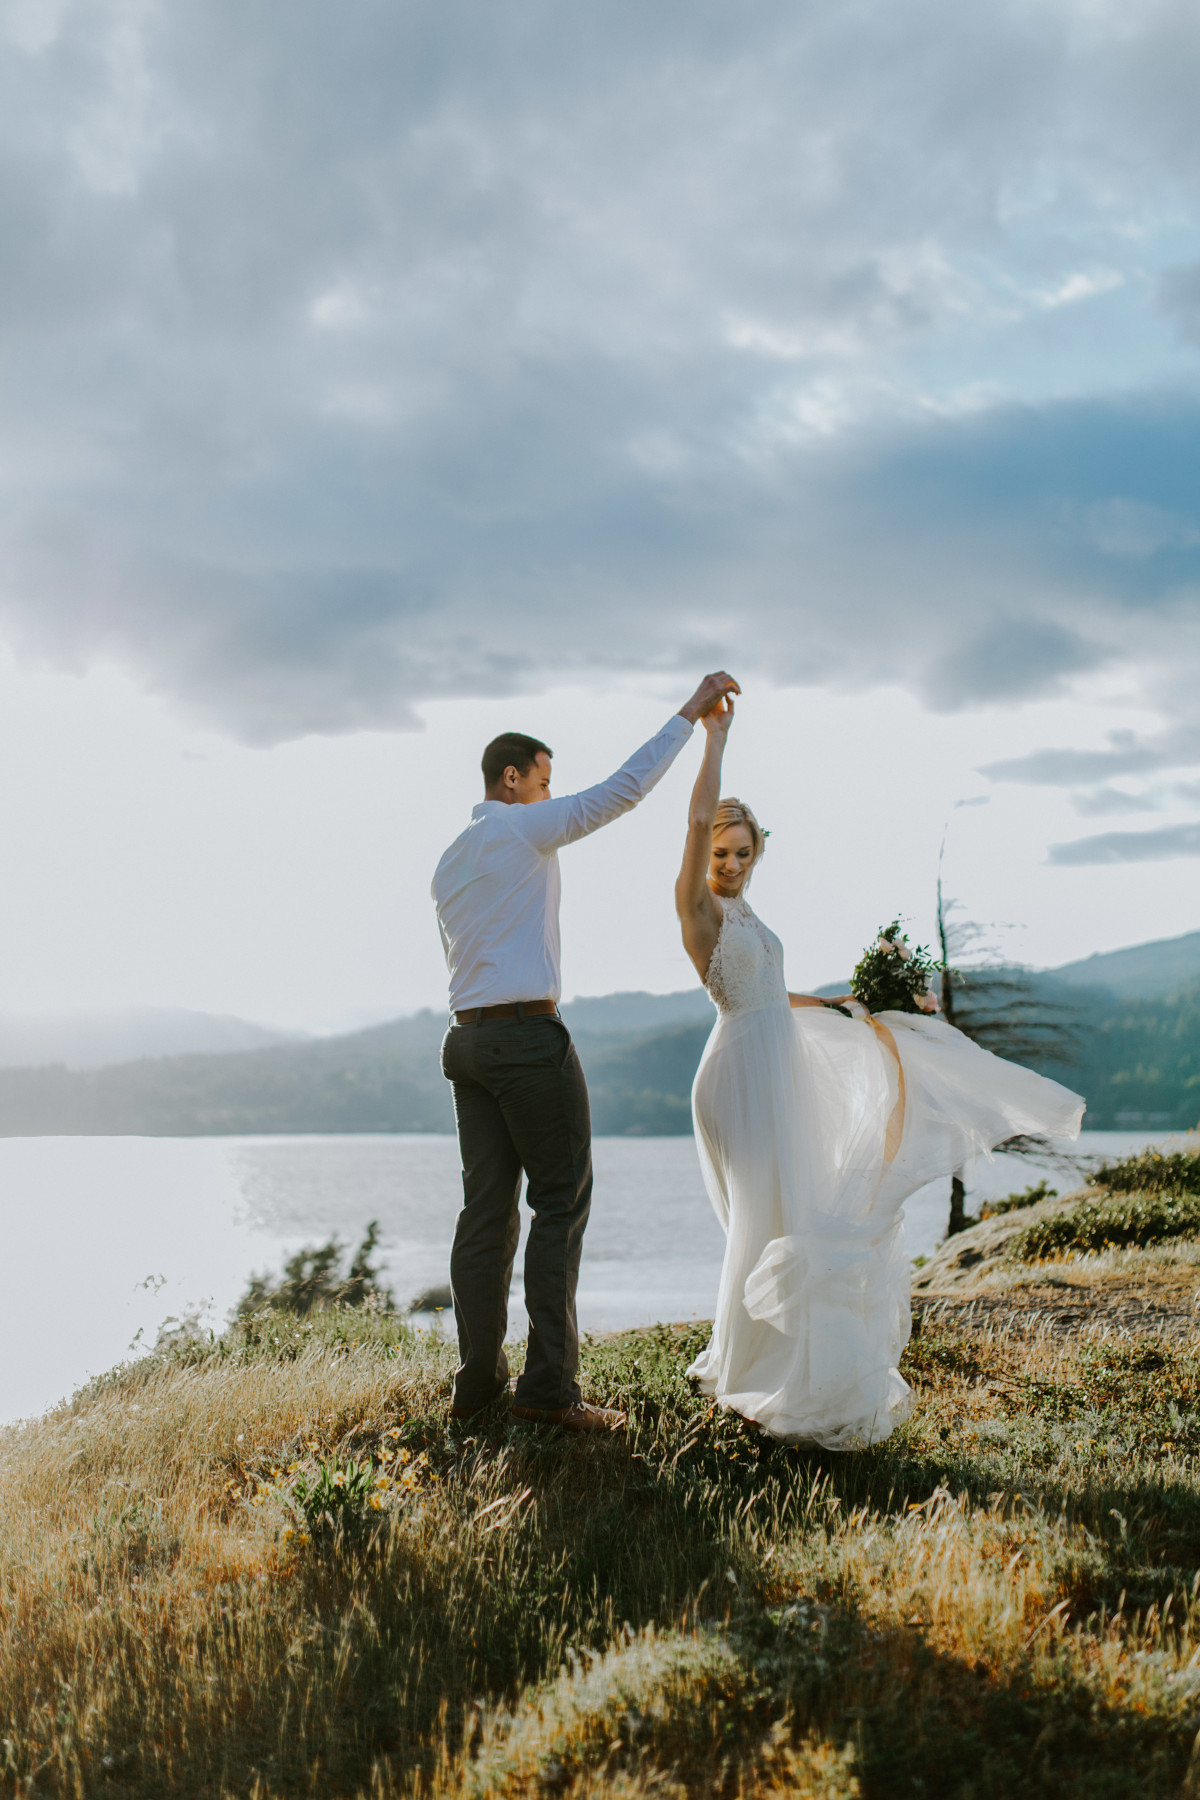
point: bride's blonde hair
(735, 812)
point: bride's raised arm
(699, 913)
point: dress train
(812, 1130)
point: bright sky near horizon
(151, 861)
(376, 384)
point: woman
(812, 1130)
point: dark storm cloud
(1129, 846)
(381, 353)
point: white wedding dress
(812, 1130)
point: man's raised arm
(555, 822)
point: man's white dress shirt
(497, 887)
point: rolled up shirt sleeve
(550, 824)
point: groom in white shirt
(519, 1094)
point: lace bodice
(746, 971)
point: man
(519, 1094)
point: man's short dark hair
(511, 750)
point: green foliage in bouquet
(893, 977)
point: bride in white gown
(812, 1130)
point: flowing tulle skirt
(810, 1144)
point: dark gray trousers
(521, 1103)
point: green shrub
(312, 1280)
(929, 1354)
(338, 1500)
(994, 1209)
(1153, 1173)
(1109, 1224)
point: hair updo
(736, 812)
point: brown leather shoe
(580, 1417)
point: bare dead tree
(1002, 1010)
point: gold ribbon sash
(895, 1124)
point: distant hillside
(617, 1014)
(643, 1088)
(1144, 971)
(1136, 1060)
(89, 1040)
(384, 1079)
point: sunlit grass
(1000, 1600)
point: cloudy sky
(376, 377)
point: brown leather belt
(511, 1009)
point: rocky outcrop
(971, 1256)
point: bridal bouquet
(893, 977)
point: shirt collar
(486, 807)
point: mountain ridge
(1159, 967)
(1135, 1058)
(102, 1037)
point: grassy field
(1002, 1600)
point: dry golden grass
(1175, 1254)
(1000, 1601)
(147, 1604)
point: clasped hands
(712, 701)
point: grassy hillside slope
(999, 1602)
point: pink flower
(927, 1002)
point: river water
(109, 1237)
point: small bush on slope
(312, 1280)
(1150, 1198)
(1124, 1221)
(1151, 1172)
